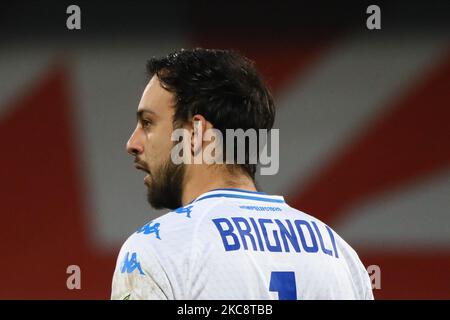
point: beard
(165, 189)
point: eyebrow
(140, 113)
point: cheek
(164, 141)
(158, 147)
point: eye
(146, 123)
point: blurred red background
(363, 118)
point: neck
(201, 181)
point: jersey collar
(240, 194)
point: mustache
(140, 165)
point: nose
(134, 145)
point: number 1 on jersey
(283, 282)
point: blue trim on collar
(238, 190)
(227, 195)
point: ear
(199, 126)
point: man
(223, 239)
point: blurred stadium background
(364, 119)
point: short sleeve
(138, 274)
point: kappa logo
(186, 210)
(149, 228)
(131, 264)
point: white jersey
(235, 244)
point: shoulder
(174, 231)
(160, 253)
(139, 272)
(361, 280)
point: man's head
(220, 88)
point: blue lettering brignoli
(194, 252)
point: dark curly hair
(222, 86)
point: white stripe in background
(316, 115)
(351, 84)
(110, 78)
(20, 66)
(415, 217)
